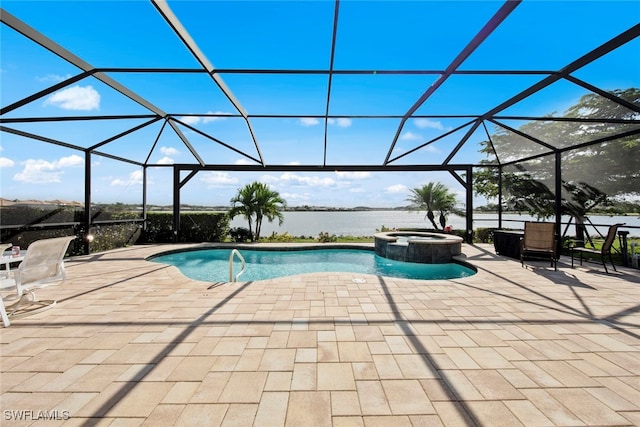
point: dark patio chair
(604, 251)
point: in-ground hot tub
(410, 246)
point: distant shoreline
(47, 204)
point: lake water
(365, 223)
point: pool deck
(132, 342)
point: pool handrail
(235, 252)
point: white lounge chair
(43, 265)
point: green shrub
(111, 236)
(31, 224)
(194, 227)
(484, 235)
(278, 238)
(36, 223)
(325, 237)
(240, 235)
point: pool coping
(284, 246)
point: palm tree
(243, 204)
(257, 201)
(269, 205)
(435, 197)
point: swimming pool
(212, 265)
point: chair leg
(3, 313)
(604, 264)
(28, 304)
(612, 264)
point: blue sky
(416, 35)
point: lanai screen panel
(313, 83)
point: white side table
(8, 258)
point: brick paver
(135, 342)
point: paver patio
(132, 342)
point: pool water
(212, 265)
(405, 238)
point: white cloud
(314, 181)
(135, 178)
(168, 151)
(194, 120)
(354, 175)
(357, 190)
(213, 119)
(309, 121)
(217, 179)
(69, 161)
(312, 121)
(39, 171)
(341, 122)
(6, 163)
(53, 78)
(75, 98)
(410, 136)
(166, 160)
(397, 188)
(190, 120)
(268, 179)
(426, 123)
(304, 197)
(431, 149)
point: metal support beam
(630, 105)
(188, 178)
(40, 138)
(163, 8)
(144, 198)
(450, 132)
(500, 196)
(186, 142)
(479, 38)
(558, 201)
(216, 140)
(598, 52)
(155, 142)
(469, 234)
(63, 53)
(462, 141)
(331, 60)
(86, 220)
(522, 134)
(323, 168)
(176, 203)
(125, 133)
(45, 92)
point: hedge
(194, 227)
